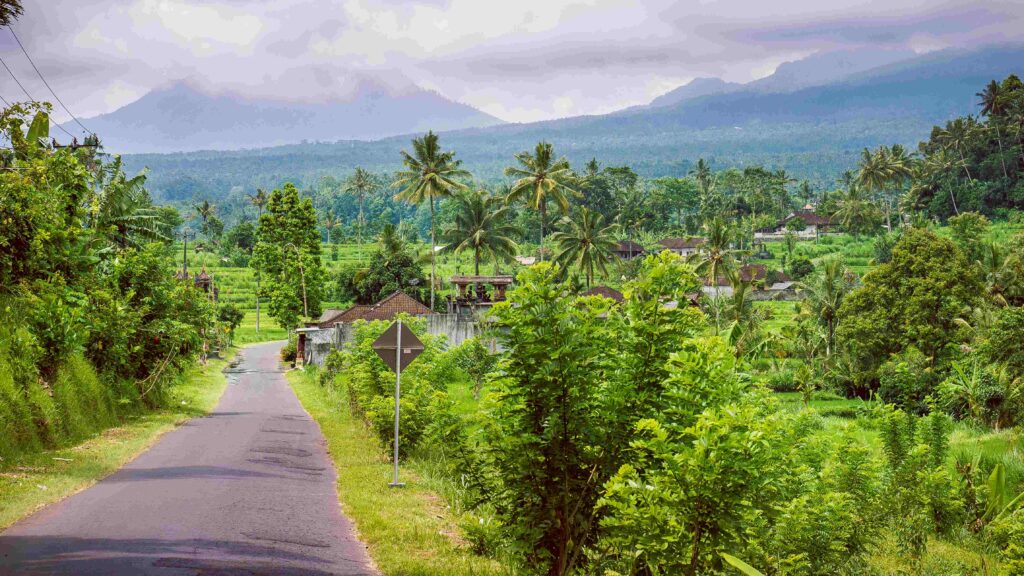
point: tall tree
(430, 173)
(586, 242)
(259, 200)
(823, 295)
(956, 136)
(288, 251)
(541, 177)
(718, 255)
(993, 106)
(481, 225)
(330, 222)
(359, 185)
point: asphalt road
(247, 490)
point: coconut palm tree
(541, 177)
(855, 210)
(430, 173)
(359, 185)
(956, 136)
(718, 255)
(259, 200)
(586, 242)
(330, 223)
(824, 293)
(480, 225)
(992, 106)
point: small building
(627, 250)
(683, 246)
(748, 273)
(526, 260)
(607, 292)
(471, 292)
(814, 225)
(387, 309)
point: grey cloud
(599, 56)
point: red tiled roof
(809, 218)
(748, 273)
(395, 304)
(682, 243)
(629, 247)
(606, 292)
(386, 309)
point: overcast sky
(519, 60)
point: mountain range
(811, 117)
(182, 117)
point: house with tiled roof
(387, 309)
(605, 291)
(627, 249)
(683, 246)
(814, 224)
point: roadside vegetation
(31, 480)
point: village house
(683, 246)
(627, 250)
(813, 225)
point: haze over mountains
(182, 117)
(811, 117)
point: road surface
(247, 490)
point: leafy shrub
(800, 268)
(289, 352)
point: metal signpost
(397, 347)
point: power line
(27, 95)
(47, 84)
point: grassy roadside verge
(32, 481)
(409, 531)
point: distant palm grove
(728, 371)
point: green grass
(409, 531)
(32, 481)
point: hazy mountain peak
(185, 115)
(694, 89)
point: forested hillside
(814, 133)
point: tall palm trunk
(361, 220)
(433, 262)
(953, 198)
(963, 161)
(543, 215)
(476, 260)
(999, 139)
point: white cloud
(524, 60)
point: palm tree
(540, 178)
(882, 171)
(259, 200)
(330, 222)
(586, 242)
(718, 256)
(205, 211)
(480, 225)
(993, 107)
(824, 293)
(956, 136)
(359, 185)
(430, 173)
(855, 211)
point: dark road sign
(388, 342)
